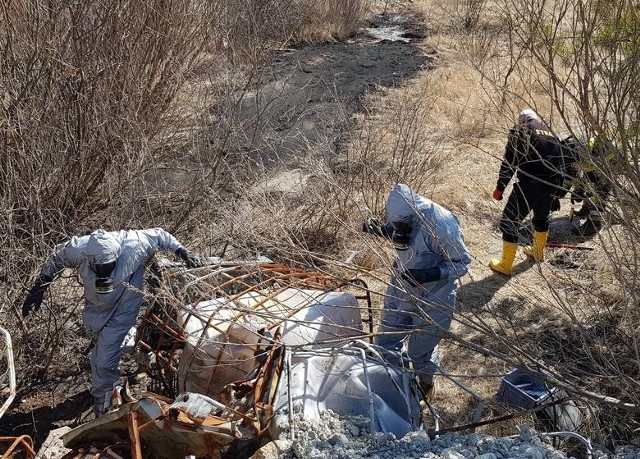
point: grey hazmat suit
(421, 306)
(110, 316)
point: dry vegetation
(568, 62)
(115, 119)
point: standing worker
(430, 258)
(535, 155)
(111, 266)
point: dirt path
(305, 96)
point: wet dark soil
(306, 96)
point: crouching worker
(536, 157)
(111, 267)
(594, 184)
(420, 301)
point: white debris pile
(335, 438)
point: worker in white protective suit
(111, 268)
(430, 258)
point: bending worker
(420, 301)
(535, 155)
(594, 185)
(111, 267)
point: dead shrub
(331, 20)
(252, 28)
(86, 91)
(471, 11)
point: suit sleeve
(509, 161)
(65, 255)
(160, 239)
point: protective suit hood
(527, 114)
(402, 204)
(102, 247)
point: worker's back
(540, 153)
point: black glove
(555, 205)
(192, 261)
(34, 298)
(421, 276)
(376, 227)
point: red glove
(497, 195)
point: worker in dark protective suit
(535, 155)
(593, 186)
(111, 268)
(430, 258)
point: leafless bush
(577, 63)
(394, 146)
(86, 92)
(254, 28)
(471, 11)
(340, 19)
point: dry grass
(443, 133)
(472, 110)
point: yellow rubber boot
(536, 250)
(508, 255)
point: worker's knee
(509, 230)
(106, 363)
(106, 355)
(541, 226)
(510, 237)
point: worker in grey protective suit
(111, 267)
(430, 257)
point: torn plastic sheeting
(223, 334)
(167, 430)
(339, 380)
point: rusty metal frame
(134, 435)
(231, 281)
(249, 401)
(253, 408)
(24, 441)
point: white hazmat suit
(109, 316)
(416, 305)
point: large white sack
(223, 333)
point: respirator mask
(104, 281)
(401, 235)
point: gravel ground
(334, 438)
